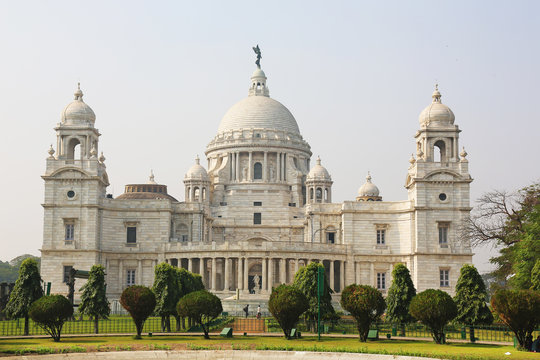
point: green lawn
(464, 351)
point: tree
(510, 221)
(202, 306)
(519, 310)
(94, 298)
(366, 305)
(434, 308)
(535, 276)
(306, 281)
(50, 312)
(399, 297)
(167, 289)
(27, 290)
(139, 301)
(188, 282)
(471, 298)
(286, 304)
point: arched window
(257, 171)
(73, 150)
(325, 194)
(182, 233)
(196, 194)
(204, 193)
(318, 194)
(439, 151)
(311, 193)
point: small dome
(78, 112)
(197, 172)
(319, 172)
(368, 189)
(258, 73)
(436, 113)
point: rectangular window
(444, 276)
(130, 279)
(257, 203)
(330, 237)
(174, 262)
(184, 238)
(381, 281)
(131, 235)
(70, 231)
(443, 233)
(381, 234)
(257, 218)
(67, 270)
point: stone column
(120, 275)
(264, 274)
(265, 167)
(139, 272)
(270, 274)
(203, 273)
(213, 280)
(372, 275)
(341, 275)
(296, 265)
(332, 276)
(190, 264)
(278, 167)
(357, 272)
(246, 273)
(282, 271)
(250, 166)
(284, 162)
(239, 272)
(226, 275)
(237, 176)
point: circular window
(442, 196)
(70, 194)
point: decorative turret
(319, 184)
(197, 183)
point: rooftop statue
(259, 56)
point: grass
(454, 351)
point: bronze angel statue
(259, 56)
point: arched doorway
(255, 279)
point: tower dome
(319, 172)
(78, 112)
(436, 113)
(197, 172)
(368, 191)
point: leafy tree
(535, 276)
(286, 304)
(202, 306)
(306, 281)
(511, 221)
(94, 298)
(139, 301)
(399, 297)
(471, 298)
(365, 303)
(27, 290)
(434, 308)
(188, 282)
(50, 312)
(167, 289)
(519, 310)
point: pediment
(70, 173)
(442, 175)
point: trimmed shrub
(202, 306)
(365, 303)
(434, 308)
(519, 310)
(286, 304)
(50, 312)
(399, 297)
(139, 301)
(94, 298)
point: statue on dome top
(259, 56)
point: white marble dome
(78, 112)
(197, 172)
(258, 112)
(368, 189)
(436, 113)
(319, 172)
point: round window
(442, 196)
(70, 194)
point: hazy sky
(160, 75)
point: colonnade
(269, 173)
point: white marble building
(259, 212)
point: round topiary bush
(50, 312)
(202, 306)
(139, 301)
(434, 308)
(286, 304)
(365, 303)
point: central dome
(259, 112)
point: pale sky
(355, 74)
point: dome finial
(197, 160)
(436, 94)
(368, 177)
(318, 160)
(78, 93)
(151, 179)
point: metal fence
(125, 325)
